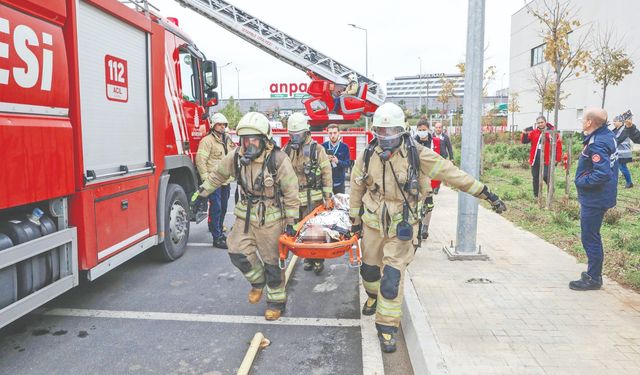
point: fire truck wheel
(176, 227)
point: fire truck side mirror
(212, 99)
(210, 75)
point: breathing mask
(298, 139)
(252, 147)
(389, 138)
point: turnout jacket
(300, 159)
(378, 198)
(267, 204)
(211, 150)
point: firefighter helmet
(388, 115)
(297, 122)
(253, 123)
(352, 77)
(218, 118)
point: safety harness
(258, 186)
(311, 169)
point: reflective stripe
(357, 172)
(436, 168)
(354, 211)
(276, 294)
(327, 189)
(371, 220)
(316, 195)
(203, 152)
(476, 188)
(256, 274)
(208, 187)
(292, 212)
(389, 308)
(325, 163)
(271, 214)
(371, 286)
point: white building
(423, 85)
(526, 56)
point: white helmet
(253, 123)
(297, 122)
(218, 118)
(352, 77)
(388, 115)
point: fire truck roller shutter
(114, 94)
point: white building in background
(423, 85)
(526, 56)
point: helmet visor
(388, 133)
(252, 145)
(298, 137)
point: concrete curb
(422, 344)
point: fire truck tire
(176, 227)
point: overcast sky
(399, 32)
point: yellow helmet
(254, 123)
(297, 122)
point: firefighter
(350, 90)
(313, 169)
(267, 206)
(389, 183)
(216, 145)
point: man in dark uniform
(597, 185)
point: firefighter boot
(308, 264)
(255, 294)
(387, 342)
(273, 311)
(369, 307)
(424, 231)
(318, 266)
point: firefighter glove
(429, 204)
(289, 231)
(497, 204)
(356, 229)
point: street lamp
(420, 87)
(502, 84)
(238, 73)
(366, 49)
(220, 78)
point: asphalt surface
(203, 284)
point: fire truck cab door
(190, 65)
(115, 111)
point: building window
(537, 55)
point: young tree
(541, 79)
(514, 107)
(559, 19)
(446, 92)
(489, 75)
(549, 98)
(609, 61)
(232, 112)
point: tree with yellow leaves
(609, 61)
(489, 75)
(514, 106)
(447, 91)
(559, 20)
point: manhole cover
(479, 280)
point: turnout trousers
(384, 261)
(262, 271)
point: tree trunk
(552, 144)
(604, 94)
(569, 161)
(543, 145)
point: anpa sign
(288, 90)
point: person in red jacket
(532, 136)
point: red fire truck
(102, 108)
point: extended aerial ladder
(324, 71)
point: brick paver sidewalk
(525, 320)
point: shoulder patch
(595, 158)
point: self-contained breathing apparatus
(265, 179)
(311, 169)
(404, 230)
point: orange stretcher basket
(319, 250)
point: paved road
(191, 316)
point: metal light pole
(238, 73)
(466, 231)
(366, 49)
(420, 86)
(220, 78)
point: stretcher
(319, 250)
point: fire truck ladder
(280, 45)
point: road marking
(200, 244)
(371, 352)
(208, 318)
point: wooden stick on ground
(258, 342)
(290, 267)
